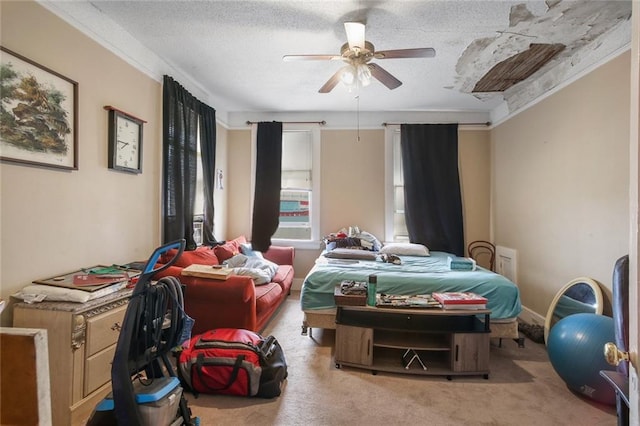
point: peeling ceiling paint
(229, 53)
(574, 24)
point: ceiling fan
(358, 53)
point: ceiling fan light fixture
(355, 34)
(364, 74)
(348, 76)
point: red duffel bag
(234, 362)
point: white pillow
(405, 249)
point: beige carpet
(523, 389)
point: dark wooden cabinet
(413, 341)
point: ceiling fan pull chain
(358, 116)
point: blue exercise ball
(576, 351)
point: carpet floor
(522, 389)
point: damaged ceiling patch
(517, 68)
(546, 44)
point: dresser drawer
(103, 330)
(98, 369)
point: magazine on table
(460, 300)
(402, 301)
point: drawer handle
(116, 326)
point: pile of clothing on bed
(352, 238)
(353, 244)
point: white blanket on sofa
(261, 270)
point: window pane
(295, 196)
(295, 216)
(400, 232)
(398, 178)
(198, 205)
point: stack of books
(460, 300)
(461, 263)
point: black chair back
(483, 252)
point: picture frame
(37, 133)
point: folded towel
(461, 264)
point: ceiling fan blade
(355, 34)
(332, 82)
(289, 58)
(384, 77)
(425, 52)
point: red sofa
(235, 302)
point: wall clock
(125, 141)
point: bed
(415, 275)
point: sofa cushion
(229, 249)
(266, 296)
(171, 271)
(201, 255)
(283, 275)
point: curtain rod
(486, 123)
(322, 123)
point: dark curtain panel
(180, 128)
(266, 204)
(208, 153)
(433, 204)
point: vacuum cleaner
(145, 387)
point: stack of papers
(400, 301)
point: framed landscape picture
(38, 114)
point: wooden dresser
(82, 341)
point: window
(198, 205)
(300, 188)
(395, 225)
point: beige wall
(352, 184)
(57, 221)
(474, 150)
(239, 184)
(561, 184)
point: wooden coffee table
(426, 341)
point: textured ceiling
(232, 50)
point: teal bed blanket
(416, 275)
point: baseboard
(531, 317)
(296, 285)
